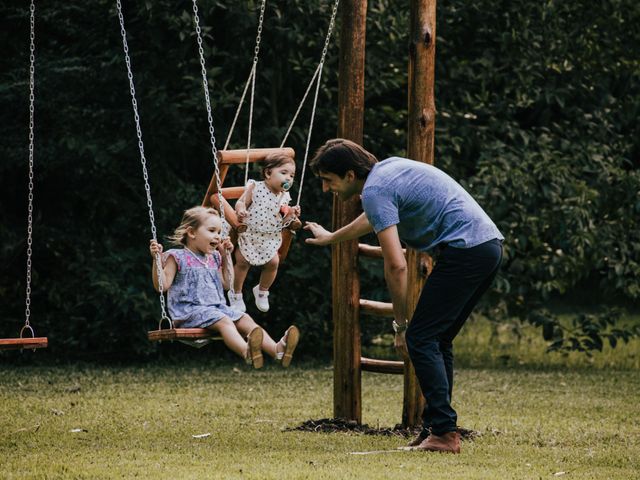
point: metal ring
(162, 320)
(33, 335)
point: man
(421, 206)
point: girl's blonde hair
(191, 219)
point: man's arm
(359, 227)
(395, 271)
(395, 274)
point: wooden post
(347, 397)
(420, 140)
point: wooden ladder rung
(379, 309)
(373, 251)
(381, 366)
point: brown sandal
(290, 340)
(254, 348)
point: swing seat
(23, 343)
(226, 158)
(180, 334)
(194, 337)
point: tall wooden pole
(420, 140)
(347, 397)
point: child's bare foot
(254, 348)
(287, 345)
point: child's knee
(223, 323)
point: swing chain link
(205, 87)
(32, 71)
(254, 70)
(143, 161)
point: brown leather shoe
(422, 436)
(448, 442)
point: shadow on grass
(341, 425)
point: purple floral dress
(196, 297)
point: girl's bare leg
(269, 272)
(240, 271)
(246, 324)
(230, 335)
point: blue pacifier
(286, 186)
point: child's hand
(227, 245)
(155, 248)
(296, 210)
(241, 211)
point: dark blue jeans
(460, 277)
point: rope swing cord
(316, 78)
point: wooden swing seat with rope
(226, 158)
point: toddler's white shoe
(262, 298)
(236, 302)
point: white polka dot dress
(262, 239)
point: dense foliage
(537, 117)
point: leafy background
(537, 117)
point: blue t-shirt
(427, 205)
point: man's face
(343, 187)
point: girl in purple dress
(192, 278)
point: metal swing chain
(214, 150)
(254, 69)
(205, 87)
(317, 76)
(143, 162)
(32, 70)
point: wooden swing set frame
(347, 304)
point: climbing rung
(228, 157)
(379, 309)
(381, 366)
(372, 251)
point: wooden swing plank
(179, 333)
(228, 157)
(23, 343)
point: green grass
(537, 420)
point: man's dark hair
(339, 155)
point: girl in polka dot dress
(264, 209)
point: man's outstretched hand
(321, 236)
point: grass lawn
(536, 420)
